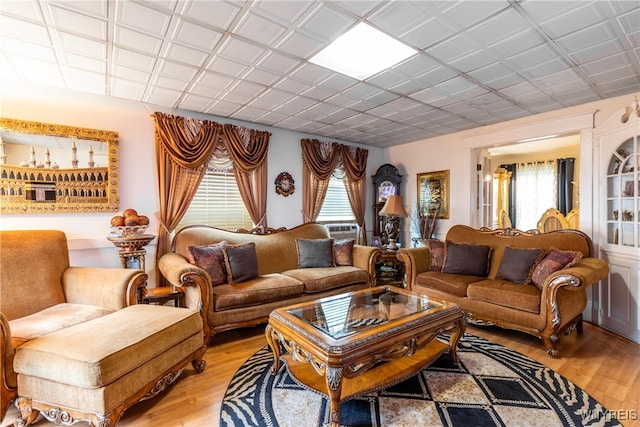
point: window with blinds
(218, 203)
(336, 206)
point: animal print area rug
(493, 386)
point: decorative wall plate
(285, 184)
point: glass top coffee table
(349, 344)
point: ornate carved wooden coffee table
(349, 344)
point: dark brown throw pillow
(517, 264)
(343, 251)
(315, 253)
(211, 259)
(241, 262)
(436, 248)
(555, 260)
(466, 258)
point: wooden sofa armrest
(113, 288)
(193, 280)
(8, 380)
(364, 257)
(577, 279)
(416, 261)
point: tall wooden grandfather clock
(386, 182)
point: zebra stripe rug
(493, 386)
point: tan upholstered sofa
(75, 345)
(546, 310)
(279, 282)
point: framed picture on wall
(433, 190)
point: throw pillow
(436, 248)
(241, 262)
(517, 264)
(343, 251)
(466, 258)
(555, 260)
(315, 253)
(211, 259)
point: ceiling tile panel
(170, 83)
(542, 11)
(284, 11)
(408, 87)
(85, 81)
(278, 63)
(25, 31)
(505, 81)
(551, 67)
(176, 70)
(398, 17)
(241, 51)
(86, 63)
(338, 82)
(127, 89)
(518, 43)
(271, 98)
(416, 65)
(224, 108)
(296, 105)
(311, 73)
(127, 73)
(260, 29)
(264, 77)
(453, 48)
(582, 15)
(466, 14)
(612, 74)
(196, 36)
(83, 46)
(293, 86)
(216, 80)
(30, 50)
(630, 22)
(428, 34)
(272, 117)
(317, 93)
(505, 24)
(226, 66)
(79, 23)
(596, 52)
(472, 61)
(218, 14)
(532, 57)
(135, 40)
(326, 24)
(195, 103)
(605, 64)
(186, 55)
(299, 45)
(145, 19)
(582, 39)
(27, 9)
(436, 75)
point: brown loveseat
(279, 282)
(504, 295)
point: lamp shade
(394, 206)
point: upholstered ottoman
(95, 370)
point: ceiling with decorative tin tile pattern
(477, 62)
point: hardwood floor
(605, 365)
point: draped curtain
(184, 146)
(565, 184)
(320, 161)
(538, 179)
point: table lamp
(392, 210)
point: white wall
(138, 179)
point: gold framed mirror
(47, 167)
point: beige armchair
(40, 293)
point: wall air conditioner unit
(343, 231)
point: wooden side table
(163, 295)
(132, 250)
(389, 269)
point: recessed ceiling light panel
(362, 52)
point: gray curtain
(565, 186)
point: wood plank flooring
(605, 365)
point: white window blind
(218, 203)
(336, 206)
